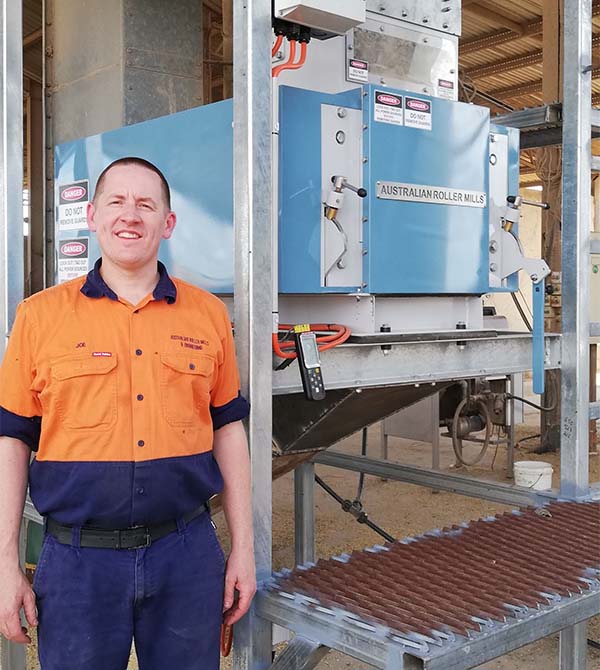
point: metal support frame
(304, 513)
(375, 645)
(11, 166)
(300, 654)
(253, 286)
(576, 197)
(12, 657)
(505, 494)
(364, 365)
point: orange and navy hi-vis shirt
(119, 401)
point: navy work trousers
(167, 598)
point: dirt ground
(404, 510)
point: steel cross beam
(505, 494)
(363, 365)
(376, 645)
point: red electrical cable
(277, 45)
(289, 64)
(337, 334)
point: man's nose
(130, 213)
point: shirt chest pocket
(85, 392)
(185, 388)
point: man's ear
(91, 214)
(170, 223)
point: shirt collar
(95, 286)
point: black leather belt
(136, 537)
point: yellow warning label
(302, 328)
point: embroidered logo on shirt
(79, 345)
(190, 342)
(102, 354)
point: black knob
(361, 193)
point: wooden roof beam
(516, 63)
(496, 37)
(32, 38)
(530, 88)
(494, 17)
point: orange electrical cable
(289, 63)
(284, 66)
(277, 45)
(337, 334)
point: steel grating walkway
(440, 593)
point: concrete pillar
(118, 62)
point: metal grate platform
(514, 577)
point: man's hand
(16, 593)
(240, 577)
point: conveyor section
(448, 587)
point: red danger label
(387, 99)
(360, 64)
(418, 105)
(73, 249)
(74, 192)
(444, 83)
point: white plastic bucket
(533, 475)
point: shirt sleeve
(17, 371)
(226, 402)
(24, 428)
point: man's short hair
(135, 160)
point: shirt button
(140, 396)
(141, 490)
(192, 366)
(138, 352)
(141, 443)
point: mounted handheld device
(309, 362)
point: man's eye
(145, 205)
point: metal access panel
(504, 181)
(394, 53)
(194, 149)
(426, 172)
(307, 242)
(332, 16)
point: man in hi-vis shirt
(124, 385)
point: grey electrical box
(332, 16)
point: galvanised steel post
(576, 211)
(12, 657)
(253, 285)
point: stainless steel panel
(439, 14)
(404, 56)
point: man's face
(130, 216)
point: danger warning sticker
(418, 113)
(446, 89)
(72, 205)
(358, 70)
(388, 108)
(73, 258)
